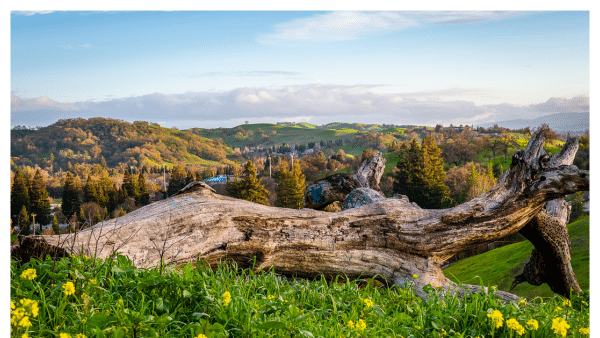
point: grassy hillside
(500, 266)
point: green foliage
(55, 226)
(290, 186)
(70, 198)
(420, 175)
(248, 187)
(144, 196)
(40, 203)
(23, 221)
(19, 196)
(112, 298)
(177, 181)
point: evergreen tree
(122, 212)
(103, 162)
(177, 181)
(82, 218)
(290, 187)
(70, 197)
(420, 175)
(23, 221)
(19, 195)
(39, 201)
(55, 226)
(189, 178)
(130, 185)
(89, 191)
(144, 196)
(97, 218)
(249, 187)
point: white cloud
(30, 13)
(317, 103)
(343, 26)
(336, 26)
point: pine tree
(23, 221)
(144, 196)
(177, 181)
(55, 226)
(439, 193)
(103, 162)
(39, 201)
(249, 187)
(130, 185)
(89, 191)
(19, 195)
(70, 197)
(290, 186)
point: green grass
(112, 298)
(500, 266)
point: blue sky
(212, 68)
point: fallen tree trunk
(391, 239)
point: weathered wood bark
(550, 260)
(391, 239)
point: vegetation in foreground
(79, 297)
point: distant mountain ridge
(560, 122)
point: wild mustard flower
(584, 330)
(368, 302)
(497, 318)
(584, 303)
(12, 305)
(64, 335)
(69, 288)
(29, 274)
(532, 324)
(93, 281)
(270, 297)
(415, 276)
(24, 322)
(31, 306)
(558, 308)
(226, 298)
(523, 302)
(566, 303)
(514, 325)
(80, 335)
(350, 324)
(25, 335)
(200, 336)
(560, 326)
(361, 325)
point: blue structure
(220, 179)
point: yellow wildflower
(415, 276)
(584, 303)
(93, 281)
(584, 330)
(64, 335)
(523, 301)
(368, 302)
(120, 302)
(69, 288)
(417, 327)
(31, 306)
(558, 308)
(443, 332)
(29, 274)
(350, 324)
(514, 325)
(200, 336)
(85, 257)
(80, 335)
(12, 305)
(566, 303)
(226, 298)
(270, 297)
(497, 318)
(24, 335)
(532, 324)
(361, 325)
(560, 326)
(24, 322)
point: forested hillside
(114, 143)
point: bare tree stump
(390, 239)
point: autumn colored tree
(177, 181)
(89, 191)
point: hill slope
(119, 142)
(500, 266)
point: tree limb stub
(391, 239)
